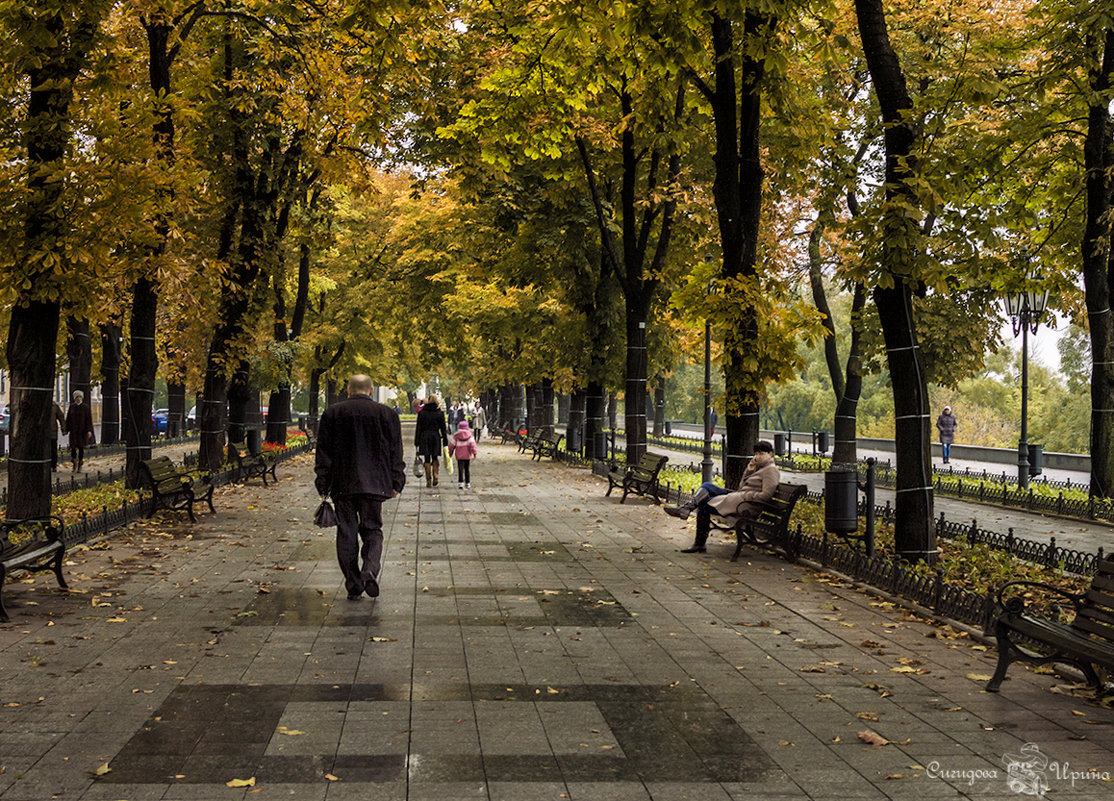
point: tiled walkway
(534, 640)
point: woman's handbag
(325, 517)
(418, 467)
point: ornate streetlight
(1025, 310)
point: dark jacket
(359, 450)
(431, 434)
(59, 422)
(79, 422)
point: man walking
(359, 464)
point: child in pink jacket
(464, 449)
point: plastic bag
(418, 469)
(325, 516)
(448, 461)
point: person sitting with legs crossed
(758, 485)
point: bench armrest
(1016, 604)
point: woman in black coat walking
(431, 436)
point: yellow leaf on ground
(103, 769)
(332, 778)
(978, 677)
(241, 782)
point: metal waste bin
(1036, 459)
(668, 428)
(822, 441)
(841, 500)
(254, 440)
(779, 444)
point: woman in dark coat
(946, 423)
(79, 422)
(431, 436)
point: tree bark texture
(110, 384)
(62, 47)
(914, 532)
(1098, 271)
(144, 364)
(737, 190)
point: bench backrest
(650, 464)
(785, 498)
(159, 469)
(1096, 617)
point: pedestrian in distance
(464, 448)
(946, 424)
(757, 487)
(359, 465)
(431, 436)
(59, 422)
(79, 422)
(479, 421)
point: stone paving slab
(534, 640)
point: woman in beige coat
(758, 485)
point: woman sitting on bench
(758, 485)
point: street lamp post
(707, 464)
(1025, 310)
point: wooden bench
(250, 465)
(510, 435)
(772, 524)
(1087, 641)
(641, 478)
(32, 545)
(547, 445)
(532, 438)
(172, 488)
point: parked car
(4, 419)
(159, 420)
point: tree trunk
(32, 334)
(914, 532)
(659, 406)
(738, 196)
(545, 399)
(574, 427)
(278, 414)
(110, 384)
(595, 421)
(176, 409)
(79, 353)
(58, 45)
(141, 378)
(1098, 272)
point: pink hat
(462, 425)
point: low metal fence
(102, 524)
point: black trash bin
(841, 500)
(254, 441)
(822, 441)
(1036, 460)
(779, 444)
(668, 428)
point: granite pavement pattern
(534, 640)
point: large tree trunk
(141, 378)
(79, 354)
(595, 421)
(738, 195)
(58, 43)
(914, 532)
(110, 384)
(176, 409)
(1098, 272)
